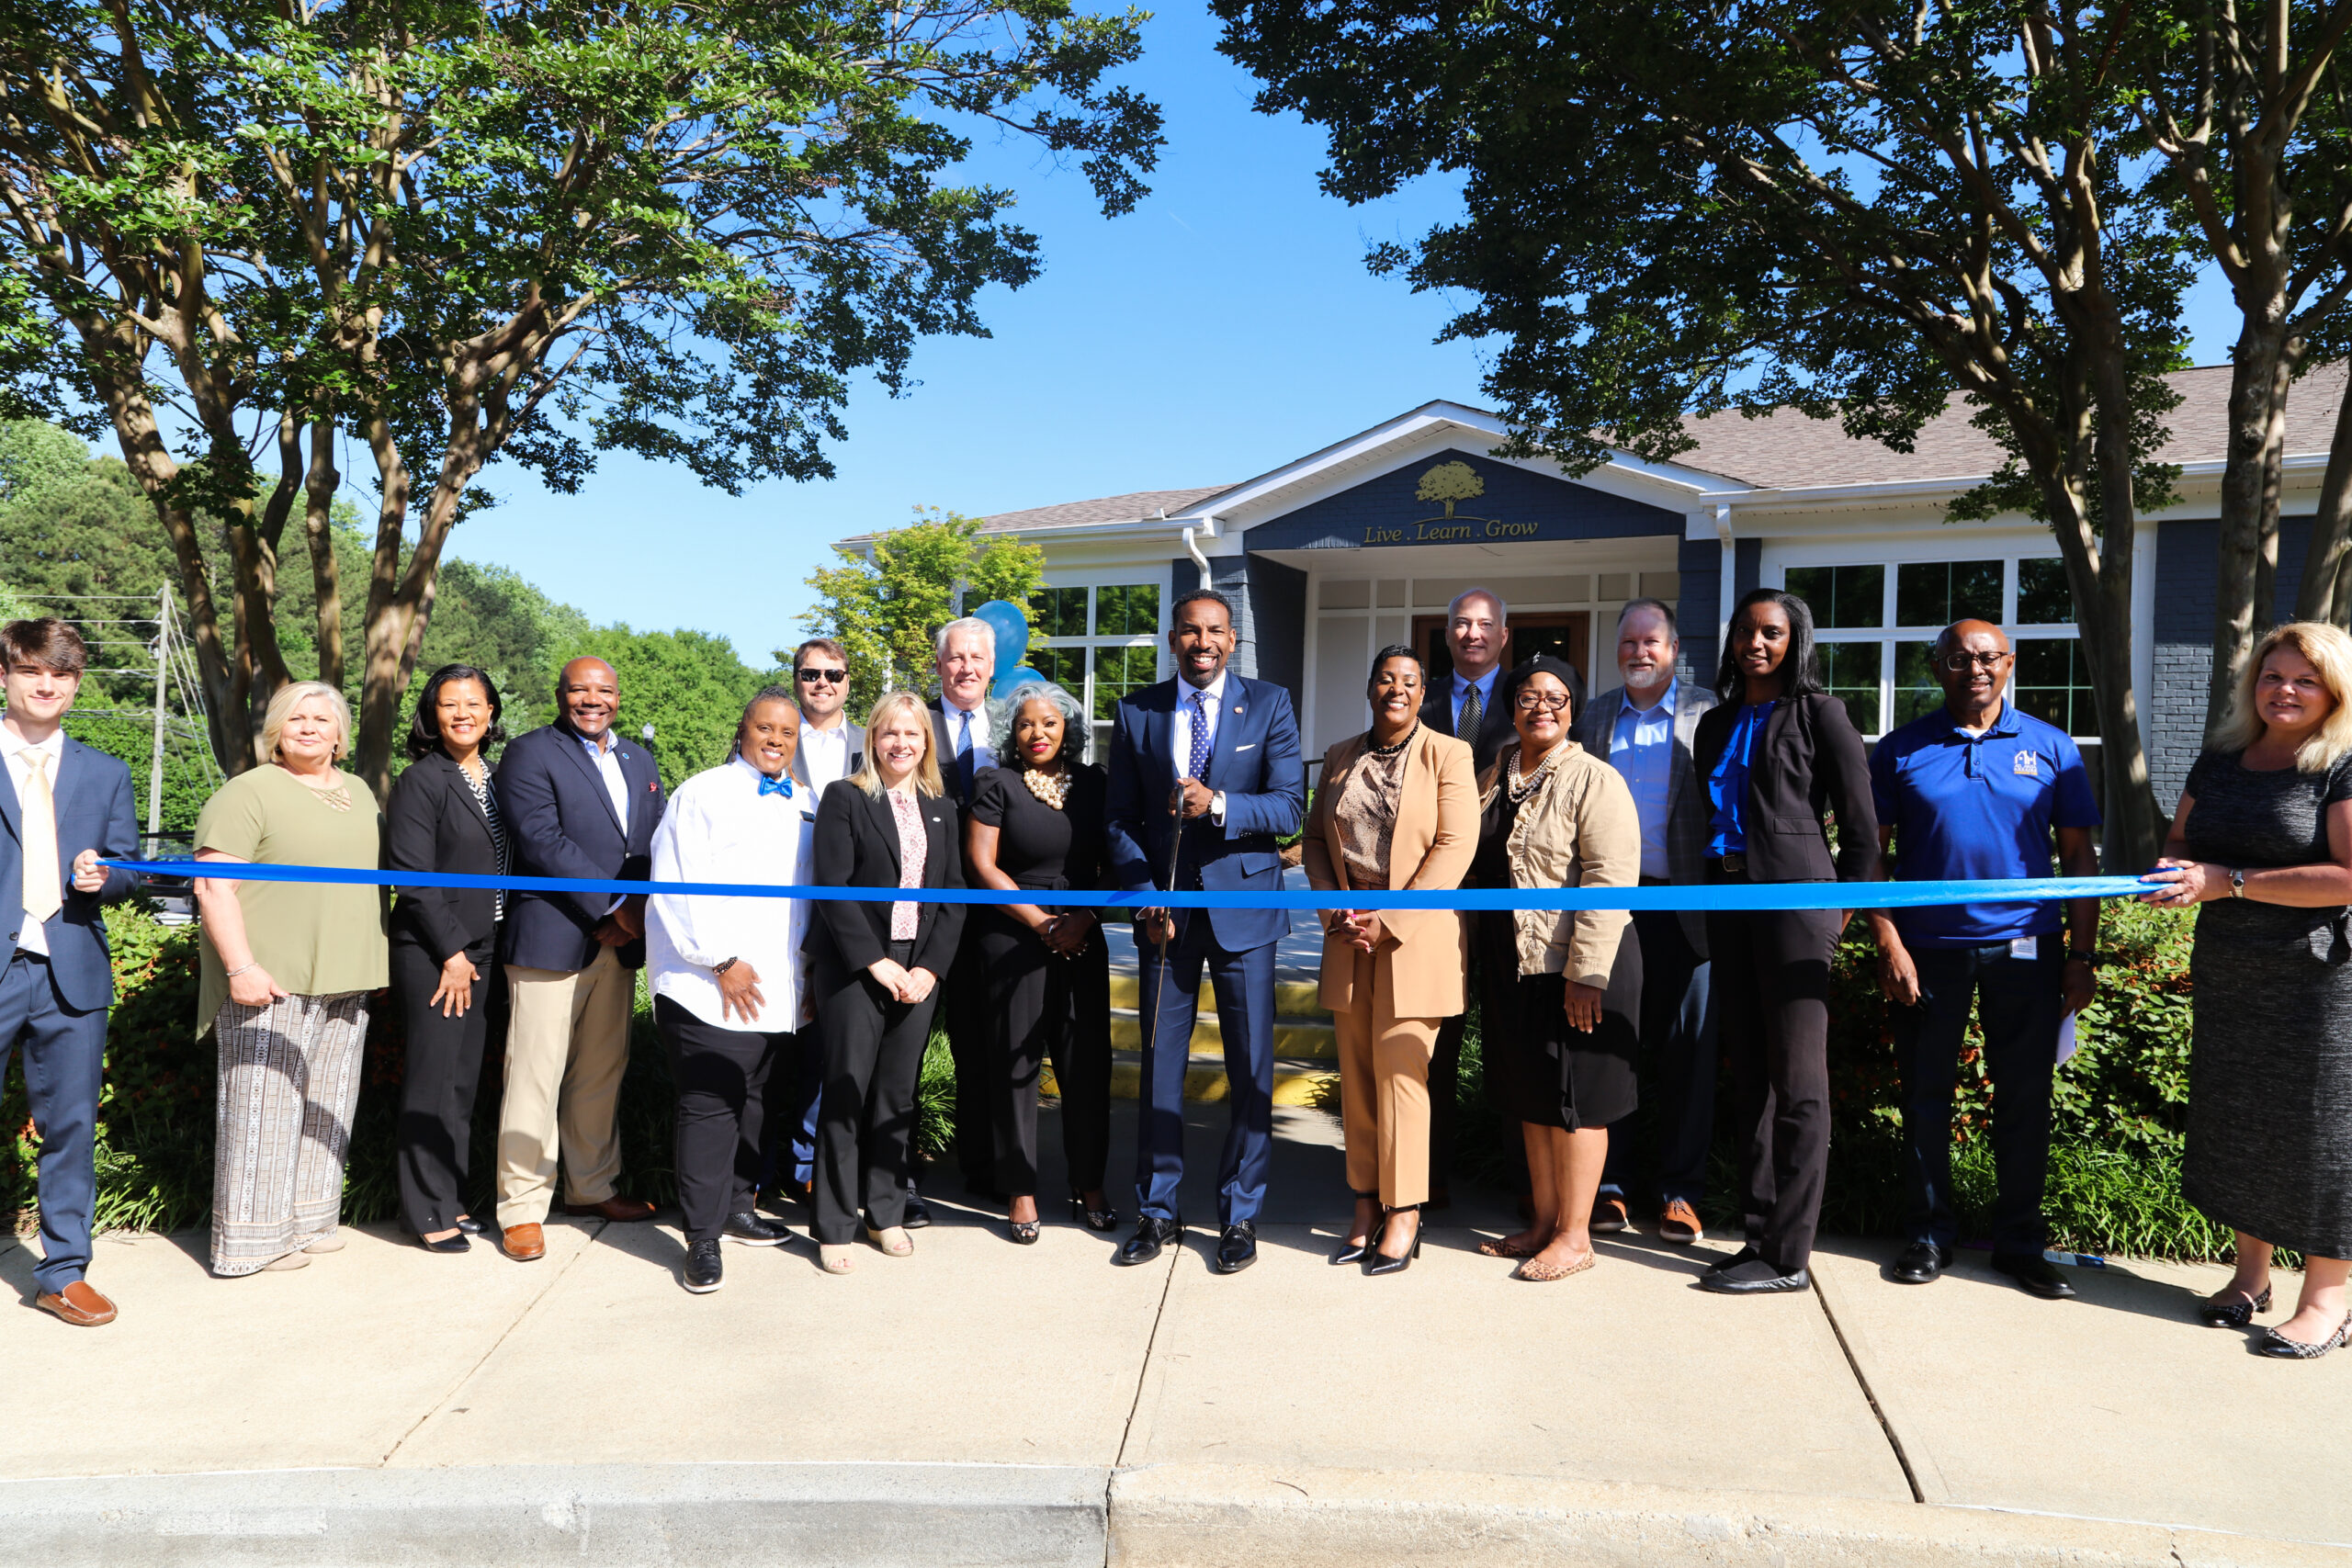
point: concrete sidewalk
(982, 1403)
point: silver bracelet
(241, 968)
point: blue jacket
(1255, 763)
(560, 822)
(94, 812)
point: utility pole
(155, 754)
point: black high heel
(1381, 1262)
(1025, 1232)
(2232, 1314)
(1092, 1219)
(1353, 1251)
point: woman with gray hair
(1036, 824)
(287, 970)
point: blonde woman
(2263, 836)
(877, 968)
(287, 970)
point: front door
(1563, 634)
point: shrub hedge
(2114, 1180)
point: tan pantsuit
(567, 1046)
(1387, 1005)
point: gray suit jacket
(1687, 811)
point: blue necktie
(1200, 735)
(780, 785)
(964, 773)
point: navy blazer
(560, 822)
(1254, 762)
(94, 812)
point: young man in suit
(1644, 729)
(579, 802)
(64, 807)
(1204, 773)
(964, 656)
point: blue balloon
(1010, 626)
(1012, 678)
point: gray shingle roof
(1130, 508)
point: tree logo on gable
(1450, 482)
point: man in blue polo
(1976, 790)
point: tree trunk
(2246, 553)
(2321, 593)
(2133, 834)
(318, 519)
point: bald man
(577, 801)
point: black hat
(1547, 664)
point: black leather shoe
(704, 1271)
(469, 1226)
(755, 1230)
(1236, 1248)
(1378, 1262)
(447, 1244)
(917, 1216)
(2035, 1275)
(1920, 1264)
(1755, 1278)
(1150, 1236)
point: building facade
(1364, 543)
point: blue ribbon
(1750, 895)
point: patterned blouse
(488, 801)
(1367, 815)
(914, 848)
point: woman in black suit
(1036, 825)
(443, 816)
(878, 967)
(1777, 758)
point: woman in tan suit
(1398, 809)
(1561, 992)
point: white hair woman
(2264, 839)
(1036, 825)
(287, 970)
(877, 968)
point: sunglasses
(811, 677)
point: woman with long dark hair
(1778, 759)
(443, 816)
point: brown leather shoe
(1678, 1222)
(78, 1303)
(613, 1208)
(525, 1243)
(1609, 1216)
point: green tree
(511, 232)
(1867, 211)
(885, 603)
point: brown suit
(1387, 1005)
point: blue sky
(1225, 326)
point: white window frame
(1099, 730)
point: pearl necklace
(1051, 788)
(1522, 787)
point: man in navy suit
(579, 802)
(64, 807)
(1205, 772)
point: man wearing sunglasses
(829, 748)
(1973, 790)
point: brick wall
(2187, 574)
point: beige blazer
(1583, 831)
(1430, 847)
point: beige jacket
(1582, 832)
(1430, 847)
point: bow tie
(780, 785)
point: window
(1102, 643)
(1129, 611)
(1059, 611)
(1876, 660)
(1065, 667)
(1119, 671)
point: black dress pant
(721, 1079)
(1041, 1006)
(441, 1069)
(1771, 985)
(866, 1118)
(963, 993)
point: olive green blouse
(316, 939)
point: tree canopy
(884, 603)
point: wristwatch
(2237, 883)
(723, 965)
(2083, 955)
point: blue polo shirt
(1969, 807)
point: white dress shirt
(1642, 751)
(824, 756)
(606, 752)
(1215, 693)
(720, 827)
(31, 935)
(983, 754)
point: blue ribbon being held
(1743, 897)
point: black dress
(2270, 1063)
(1539, 1069)
(1041, 1005)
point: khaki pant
(567, 1045)
(1385, 1088)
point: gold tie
(43, 897)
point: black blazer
(560, 822)
(857, 846)
(1809, 764)
(434, 823)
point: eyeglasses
(1958, 663)
(810, 677)
(1528, 702)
